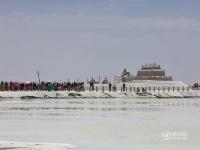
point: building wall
(151, 73)
(159, 78)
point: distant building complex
(147, 72)
(152, 72)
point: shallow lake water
(103, 124)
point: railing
(106, 88)
(119, 88)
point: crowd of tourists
(42, 86)
(196, 86)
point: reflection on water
(102, 124)
(79, 106)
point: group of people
(196, 86)
(42, 86)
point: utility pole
(38, 74)
(99, 79)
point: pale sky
(78, 39)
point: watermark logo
(173, 135)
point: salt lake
(103, 124)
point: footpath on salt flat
(99, 94)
